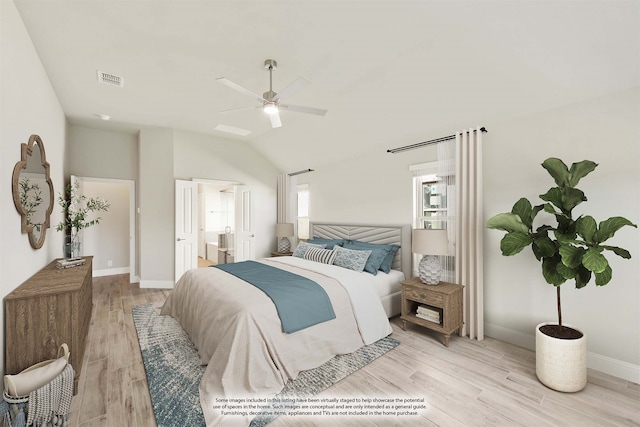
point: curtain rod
(300, 172)
(432, 141)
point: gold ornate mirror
(33, 191)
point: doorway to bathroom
(216, 220)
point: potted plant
(570, 249)
(76, 208)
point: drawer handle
(423, 296)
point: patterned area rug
(173, 370)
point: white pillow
(303, 246)
(325, 256)
(351, 259)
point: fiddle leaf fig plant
(570, 249)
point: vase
(72, 249)
(561, 364)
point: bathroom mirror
(33, 191)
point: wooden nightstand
(445, 298)
(281, 253)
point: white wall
(28, 105)
(157, 209)
(102, 154)
(377, 188)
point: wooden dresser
(50, 308)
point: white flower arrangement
(77, 209)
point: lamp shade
(284, 230)
(429, 242)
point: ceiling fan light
(270, 108)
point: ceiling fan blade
(233, 110)
(239, 88)
(292, 89)
(275, 120)
(302, 109)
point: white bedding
(238, 334)
(365, 291)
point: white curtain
(469, 229)
(287, 200)
(446, 175)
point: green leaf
(604, 277)
(566, 272)
(571, 255)
(512, 243)
(508, 222)
(548, 208)
(550, 271)
(571, 197)
(586, 228)
(580, 170)
(583, 277)
(534, 212)
(523, 209)
(553, 195)
(594, 261)
(544, 246)
(558, 170)
(608, 228)
(618, 251)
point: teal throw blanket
(300, 302)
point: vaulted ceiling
(390, 73)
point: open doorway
(112, 243)
(216, 220)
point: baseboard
(156, 284)
(111, 271)
(510, 336)
(615, 367)
(598, 362)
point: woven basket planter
(561, 364)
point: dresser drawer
(424, 296)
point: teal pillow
(388, 250)
(378, 254)
(329, 242)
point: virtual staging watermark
(322, 406)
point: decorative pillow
(329, 242)
(389, 253)
(325, 256)
(388, 260)
(303, 246)
(351, 259)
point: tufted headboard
(383, 234)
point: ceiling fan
(270, 100)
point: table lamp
(430, 243)
(283, 232)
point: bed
(239, 335)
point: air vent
(110, 79)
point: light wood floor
(471, 383)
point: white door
(202, 221)
(186, 249)
(244, 239)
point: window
(434, 207)
(432, 202)
(303, 211)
